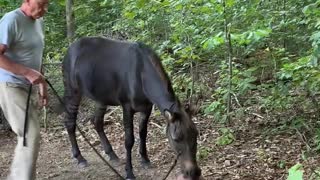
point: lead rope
(26, 119)
(172, 167)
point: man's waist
(6, 76)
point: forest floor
(255, 153)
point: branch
(303, 138)
(236, 98)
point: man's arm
(33, 76)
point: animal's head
(182, 134)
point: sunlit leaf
(62, 2)
(296, 172)
(230, 3)
(130, 15)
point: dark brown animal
(129, 75)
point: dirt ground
(255, 153)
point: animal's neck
(156, 84)
(158, 90)
(172, 106)
(162, 99)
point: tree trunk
(228, 58)
(70, 21)
(285, 28)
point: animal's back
(105, 70)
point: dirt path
(253, 154)
(55, 160)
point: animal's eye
(175, 133)
(178, 138)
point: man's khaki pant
(13, 99)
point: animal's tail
(59, 107)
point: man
(21, 49)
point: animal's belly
(105, 97)
(140, 105)
(107, 101)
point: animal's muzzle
(191, 171)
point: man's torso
(26, 46)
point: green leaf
(263, 32)
(141, 3)
(226, 138)
(104, 3)
(281, 164)
(62, 2)
(213, 42)
(315, 36)
(212, 107)
(130, 15)
(306, 10)
(230, 3)
(296, 172)
(4, 3)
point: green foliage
(275, 50)
(317, 140)
(226, 137)
(302, 73)
(281, 164)
(296, 172)
(217, 109)
(55, 35)
(8, 5)
(204, 152)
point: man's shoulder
(14, 14)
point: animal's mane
(157, 65)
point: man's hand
(34, 77)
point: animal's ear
(187, 108)
(191, 110)
(168, 115)
(175, 131)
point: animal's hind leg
(129, 137)
(143, 131)
(98, 124)
(72, 100)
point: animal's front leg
(129, 138)
(143, 131)
(72, 105)
(98, 124)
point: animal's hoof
(133, 178)
(145, 162)
(182, 177)
(146, 165)
(113, 157)
(130, 176)
(83, 164)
